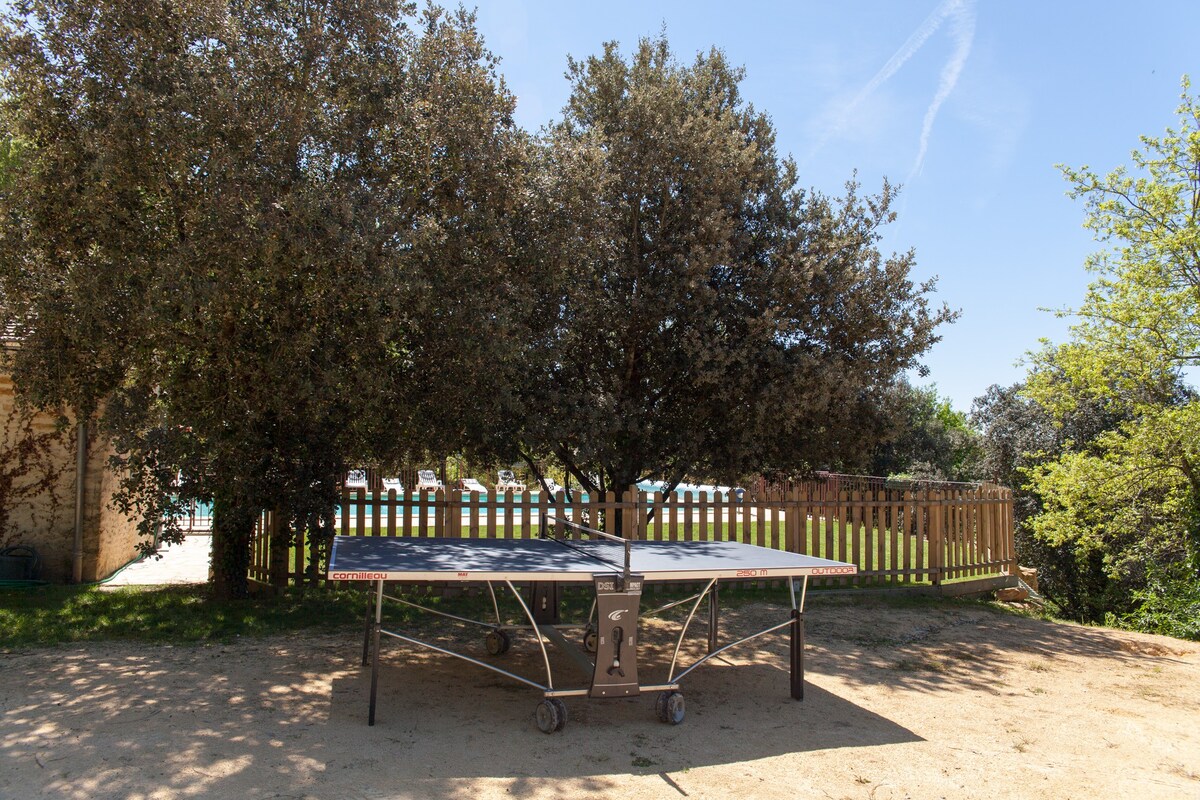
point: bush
(1170, 608)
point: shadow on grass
(58, 614)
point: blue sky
(969, 104)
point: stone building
(54, 501)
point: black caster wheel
(589, 640)
(669, 707)
(498, 642)
(562, 712)
(551, 715)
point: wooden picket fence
(897, 534)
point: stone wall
(117, 536)
(46, 519)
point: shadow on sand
(287, 717)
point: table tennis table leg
(713, 616)
(375, 648)
(797, 655)
(367, 634)
(797, 665)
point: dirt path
(953, 702)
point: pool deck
(186, 562)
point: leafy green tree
(1132, 495)
(696, 312)
(233, 236)
(929, 439)
(1140, 320)
(1017, 436)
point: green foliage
(697, 313)
(55, 614)
(1119, 498)
(231, 236)
(266, 242)
(1140, 320)
(1168, 607)
(928, 439)
(1119, 514)
(1020, 438)
(11, 158)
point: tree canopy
(1017, 437)
(927, 439)
(1140, 319)
(232, 231)
(1129, 496)
(697, 312)
(267, 242)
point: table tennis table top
(419, 558)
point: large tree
(929, 439)
(1133, 495)
(1017, 437)
(698, 313)
(237, 236)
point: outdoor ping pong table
(616, 568)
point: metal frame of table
(543, 564)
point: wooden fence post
(937, 555)
(1010, 528)
(439, 511)
(629, 512)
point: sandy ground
(949, 702)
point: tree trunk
(623, 486)
(233, 528)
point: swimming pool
(697, 490)
(200, 515)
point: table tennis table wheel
(669, 707)
(497, 642)
(551, 715)
(589, 639)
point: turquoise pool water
(203, 511)
(696, 490)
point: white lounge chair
(393, 485)
(427, 481)
(508, 482)
(553, 486)
(472, 485)
(356, 479)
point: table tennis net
(599, 545)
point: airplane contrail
(963, 29)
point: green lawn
(52, 614)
